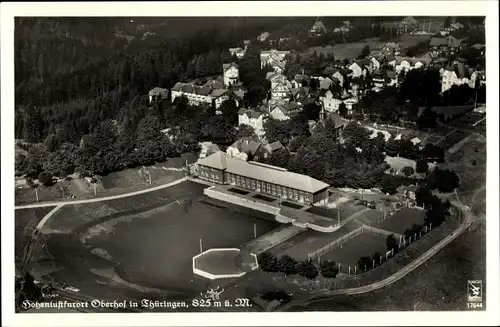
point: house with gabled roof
(281, 89)
(300, 94)
(342, 75)
(238, 52)
(197, 95)
(231, 73)
(247, 149)
(263, 36)
(390, 49)
(275, 59)
(330, 99)
(448, 44)
(253, 117)
(318, 28)
(157, 94)
(359, 68)
(284, 111)
(325, 83)
(374, 64)
(458, 74)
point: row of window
(269, 188)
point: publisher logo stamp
(475, 291)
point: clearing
(352, 50)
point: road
(106, 198)
(467, 221)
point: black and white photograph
(261, 164)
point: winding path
(106, 198)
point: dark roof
(390, 58)
(447, 41)
(204, 90)
(216, 84)
(330, 70)
(291, 106)
(337, 120)
(229, 65)
(247, 145)
(218, 92)
(275, 146)
(391, 74)
(178, 86)
(251, 113)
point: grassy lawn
(470, 164)
(352, 50)
(348, 254)
(61, 191)
(371, 217)
(25, 220)
(452, 139)
(402, 220)
(80, 216)
(120, 182)
(156, 247)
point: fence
(382, 232)
(335, 243)
(375, 262)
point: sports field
(156, 247)
(348, 254)
(309, 241)
(403, 219)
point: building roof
(318, 26)
(218, 92)
(157, 90)
(217, 160)
(247, 145)
(204, 90)
(337, 120)
(391, 45)
(410, 20)
(229, 65)
(325, 83)
(178, 86)
(445, 41)
(251, 113)
(330, 70)
(274, 175)
(391, 74)
(478, 46)
(275, 145)
(291, 106)
(215, 84)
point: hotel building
(274, 181)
